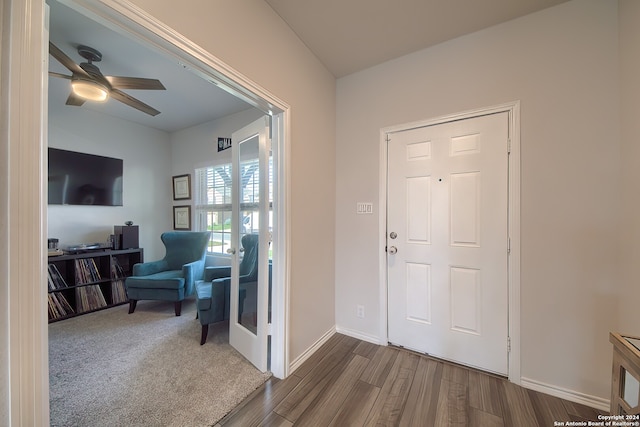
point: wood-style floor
(349, 382)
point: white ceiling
(352, 35)
(189, 100)
(346, 35)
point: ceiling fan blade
(66, 61)
(135, 83)
(74, 99)
(132, 102)
(62, 76)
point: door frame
(513, 222)
(24, 386)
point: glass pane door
(250, 243)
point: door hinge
(508, 344)
(508, 145)
(509, 245)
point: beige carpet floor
(111, 368)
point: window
(213, 210)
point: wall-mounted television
(84, 179)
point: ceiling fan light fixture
(90, 90)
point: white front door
(447, 241)
(250, 215)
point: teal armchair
(214, 292)
(173, 277)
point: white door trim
(24, 387)
(513, 108)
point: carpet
(111, 368)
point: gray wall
(147, 188)
(562, 65)
(629, 12)
(150, 157)
(271, 55)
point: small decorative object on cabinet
(625, 380)
(126, 237)
(89, 281)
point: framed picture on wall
(224, 143)
(182, 217)
(182, 187)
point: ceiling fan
(88, 83)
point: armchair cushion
(212, 273)
(172, 279)
(149, 268)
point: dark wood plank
(453, 400)
(518, 410)
(378, 370)
(327, 405)
(323, 351)
(420, 409)
(478, 418)
(484, 392)
(319, 377)
(395, 391)
(261, 403)
(366, 349)
(579, 412)
(442, 407)
(357, 405)
(458, 404)
(312, 386)
(453, 404)
(455, 373)
(275, 420)
(548, 408)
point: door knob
(393, 250)
(231, 251)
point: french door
(250, 215)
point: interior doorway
(145, 30)
(23, 54)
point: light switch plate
(363, 208)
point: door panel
(447, 272)
(250, 213)
(465, 300)
(419, 292)
(465, 209)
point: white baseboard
(563, 393)
(359, 335)
(308, 352)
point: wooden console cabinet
(625, 378)
(85, 282)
